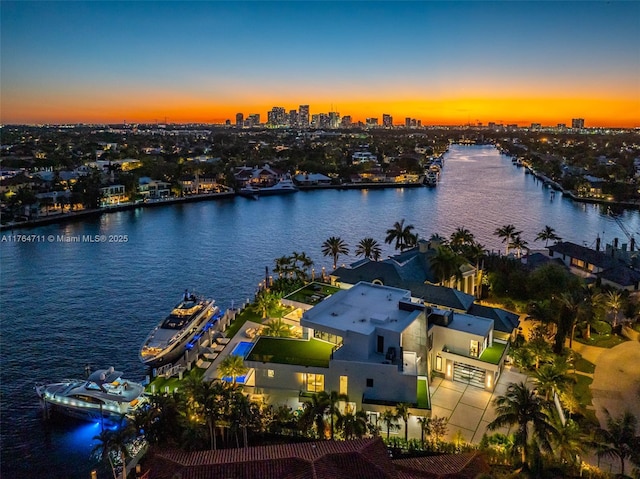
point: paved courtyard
(468, 408)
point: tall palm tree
(402, 412)
(425, 428)
(573, 305)
(369, 248)
(332, 399)
(548, 233)
(304, 264)
(475, 252)
(334, 247)
(232, 366)
(402, 235)
(520, 406)
(540, 351)
(614, 301)
(618, 439)
(507, 233)
(283, 266)
(390, 419)
(115, 441)
(593, 309)
(445, 264)
(518, 244)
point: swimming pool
(242, 348)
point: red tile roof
(446, 466)
(357, 459)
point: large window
(315, 382)
(473, 349)
(330, 338)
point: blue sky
(255, 54)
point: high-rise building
(303, 116)
(277, 116)
(577, 123)
(407, 122)
(253, 120)
(387, 120)
(334, 119)
(346, 121)
(239, 120)
(293, 118)
(371, 122)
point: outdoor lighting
(448, 370)
(489, 380)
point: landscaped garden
(160, 383)
(312, 293)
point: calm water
(65, 305)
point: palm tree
(264, 301)
(352, 425)
(369, 248)
(619, 439)
(313, 413)
(474, 252)
(518, 244)
(540, 351)
(334, 247)
(521, 407)
(548, 233)
(572, 305)
(232, 366)
(614, 301)
(402, 235)
(283, 266)
(445, 264)
(593, 309)
(507, 233)
(277, 328)
(332, 399)
(390, 419)
(552, 377)
(425, 428)
(461, 237)
(115, 441)
(302, 271)
(402, 412)
(570, 442)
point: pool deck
(212, 371)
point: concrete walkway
(469, 409)
(212, 371)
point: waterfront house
(617, 266)
(411, 267)
(308, 179)
(368, 342)
(113, 195)
(153, 189)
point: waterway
(63, 305)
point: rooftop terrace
(313, 352)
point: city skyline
(202, 62)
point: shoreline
(80, 215)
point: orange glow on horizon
(155, 106)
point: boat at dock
(176, 333)
(103, 395)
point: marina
(221, 248)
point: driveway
(616, 381)
(469, 409)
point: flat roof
(470, 324)
(361, 309)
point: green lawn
(312, 293)
(161, 383)
(290, 351)
(248, 314)
(584, 366)
(581, 389)
(493, 353)
(423, 395)
(602, 340)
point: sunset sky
(440, 62)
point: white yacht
(282, 187)
(173, 336)
(104, 394)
